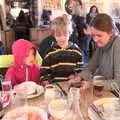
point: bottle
(73, 111)
(1, 79)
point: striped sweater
(59, 63)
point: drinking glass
(6, 91)
(21, 95)
(98, 85)
(51, 94)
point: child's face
(30, 59)
(62, 37)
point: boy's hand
(74, 78)
(46, 82)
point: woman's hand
(87, 31)
(76, 78)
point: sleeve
(86, 74)
(80, 64)
(116, 68)
(46, 71)
(9, 76)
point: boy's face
(62, 37)
(30, 58)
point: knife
(63, 91)
(99, 114)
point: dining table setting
(57, 101)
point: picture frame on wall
(52, 4)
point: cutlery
(62, 90)
(99, 114)
(115, 87)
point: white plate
(14, 114)
(57, 108)
(104, 102)
(40, 90)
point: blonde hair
(60, 23)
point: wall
(3, 6)
(103, 5)
(55, 12)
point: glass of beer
(98, 85)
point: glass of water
(6, 91)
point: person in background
(75, 9)
(92, 13)
(90, 16)
(63, 58)
(24, 68)
(45, 17)
(106, 59)
(21, 27)
(2, 48)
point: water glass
(51, 94)
(20, 95)
(6, 90)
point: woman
(92, 13)
(90, 16)
(106, 59)
(21, 27)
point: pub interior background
(9, 11)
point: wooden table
(38, 100)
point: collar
(57, 46)
(109, 44)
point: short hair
(103, 22)
(60, 23)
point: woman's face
(30, 58)
(100, 38)
(94, 10)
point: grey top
(106, 62)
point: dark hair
(92, 8)
(103, 22)
(21, 17)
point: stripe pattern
(59, 63)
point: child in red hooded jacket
(24, 68)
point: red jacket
(18, 73)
